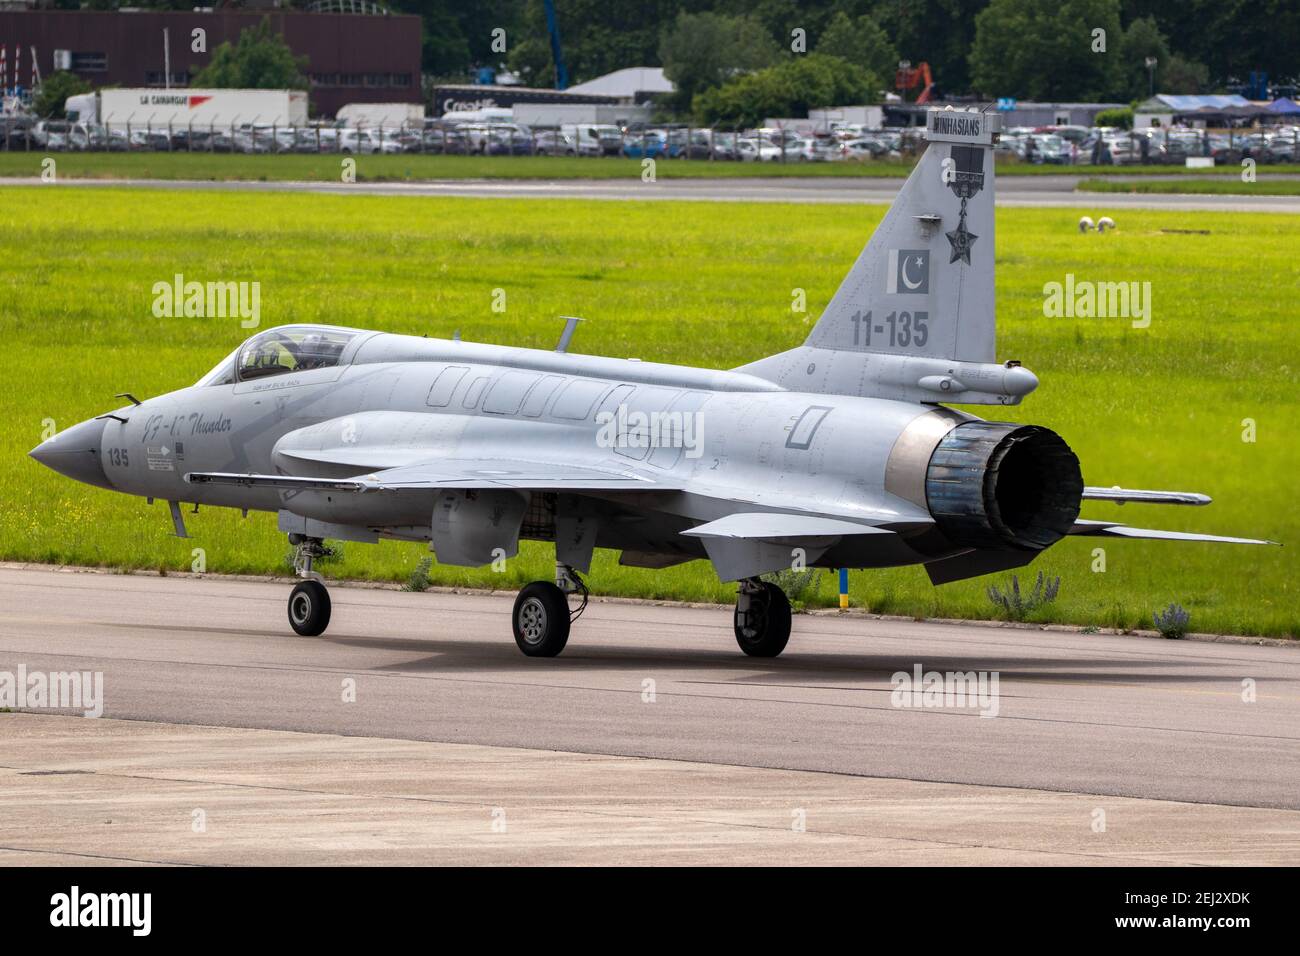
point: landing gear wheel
(763, 620)
(309, 608)
(541, 619)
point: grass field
(703, 284)
(1265, 185)
(414, 167)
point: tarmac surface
(651, 720)
(1031, 191)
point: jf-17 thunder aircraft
(840, 453)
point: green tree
(597, 37)
(1122, 117)
(55, 90)
(938, 32)
(457, 36)
(859, 41)
(701, 51)
(1038, 50)
(790, 89)
(1141, 40)
(259, 60)
(1228, 37)
(1182, 75)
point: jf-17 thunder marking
(839, 453)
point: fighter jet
(840, 453)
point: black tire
(309, 608)
(541, 619)
(765, 630)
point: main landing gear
(762, 618)
(542, 616)
(309, 602)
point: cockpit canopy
(282, 351)
(297, 349)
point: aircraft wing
(1110, 529)
(458, 473)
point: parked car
(644, 145)
(358, 141)
(758, 151)
(1284, 146)
(1256, 146)
(724, 146)
(51, 134)
(552, 142)
(1108, 149)
(449, 140)
(595, 139)
(810, 150)
(1047, 148)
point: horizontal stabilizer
(1121, 495)
(1107, 529)
(750, 544)
(777, 526)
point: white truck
(381, 115)
(182, 108)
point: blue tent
(1287, 107)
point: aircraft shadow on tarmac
(461, 657)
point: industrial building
(352, 57)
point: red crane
(909, 77)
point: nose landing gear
(309, 601)
(762, 618)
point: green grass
(702, 284)
(1232, 186)
(325, 168)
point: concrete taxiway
(651, 739)
(1032, 191)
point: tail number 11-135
(906, 329)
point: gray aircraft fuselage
(757, 447)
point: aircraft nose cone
(75, 452)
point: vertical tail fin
(923, 286)
(914, 318)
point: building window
(89, 63)
(155, 78)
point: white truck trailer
(385, 115)
(182, 108)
